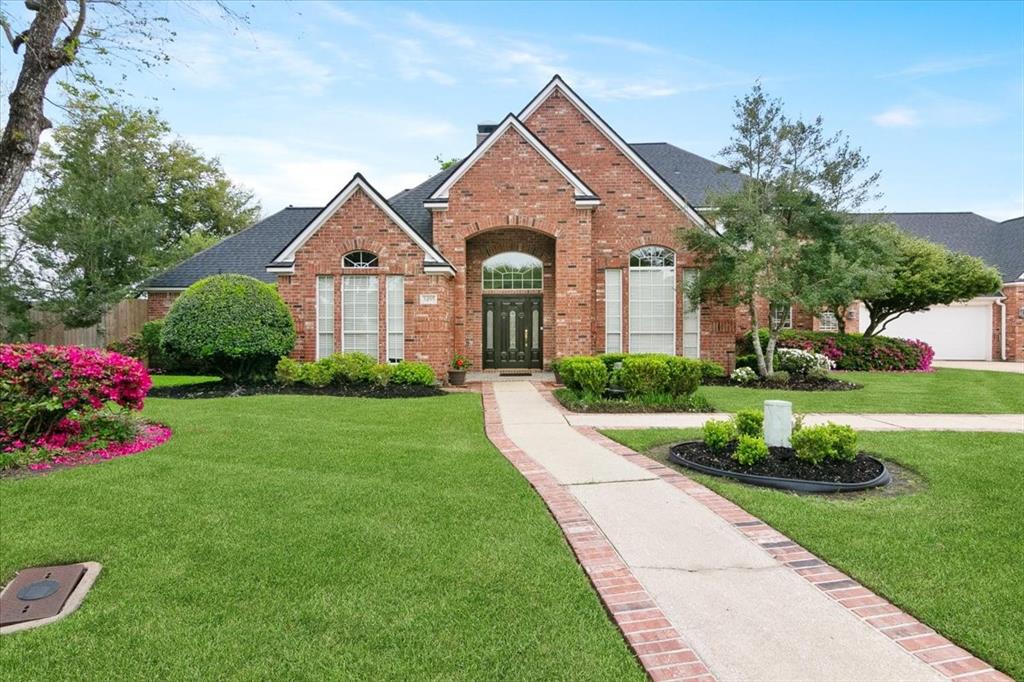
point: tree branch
(15, 41)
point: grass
(944, 390)
(949, 553)
(303, 537)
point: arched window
(513, 270)
(359, 259)
(652, 300)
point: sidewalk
(693, 580)
(1002, 423)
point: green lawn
(949, 553)
(300, 538)
(944, 390)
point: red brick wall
(1014, 303)
(633, 213)
(513, 189)
(487, 244)
(158, 303)
(360, 225)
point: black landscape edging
(794, 484)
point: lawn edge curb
(657, 645)
(913, 636)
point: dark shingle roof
(246, 252)
(409, 204)
(694, 177)
(998, 244)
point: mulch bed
(783, 463)
(794, 384)
(227, 390)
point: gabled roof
(245, 252)
(1001, 245)
(583, 194)
(285, 259)
(557, 84)
(693, 176)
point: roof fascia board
(558, 84)
(584, 195)
(357, 182)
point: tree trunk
(762, 368)
(840, 315)
(25, 120)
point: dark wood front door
(513, 332)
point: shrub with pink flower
(57, 401)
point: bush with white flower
(743, 375)
(802, 362)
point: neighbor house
(553, 237)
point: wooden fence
(120, 322)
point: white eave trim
(558, 84)
(158, 290)
(357, 182)
(438, 269)
(287, 269)
(583, 195)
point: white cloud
(944, 65)
(620, 44)
(897, 117)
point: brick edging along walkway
(659, 647)
(914, 636)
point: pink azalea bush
(69, 402)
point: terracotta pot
(457, 377)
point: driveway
(991, 366)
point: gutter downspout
(1002, 328)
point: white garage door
(956, 332)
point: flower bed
(821, 459)
(851, 352)
(576, 401)
(68, 405)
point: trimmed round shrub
(610, 360)
(584, 373)
(815, 444)
(410, 373)
(644, 374)
(718, 435)
(710, 370)
(683, 375)
(351, 368)
(779, 377)
(318, 374)
(749, 423)
(288, 371)
(234, 325)
(750, 450)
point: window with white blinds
(396, 318)
(360, 320)
(652, 301)
(613, 311)
(324, 316)
(691, 317)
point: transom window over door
(652, 300)
(513, 270)
(359, 314)
(359, 259)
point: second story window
(359, 259)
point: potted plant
(457, 372)
(555, 369)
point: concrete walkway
(744, 612)
(982, 365)
(1002, 423)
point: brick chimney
(483, 130)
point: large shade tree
(786, 236)
(118, 198)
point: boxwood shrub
(659, 374)
(584, 373)
(815, 444)
(410, 373)
(234, 325)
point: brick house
(553, 237)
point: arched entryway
(510, 299)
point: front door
(513, 331)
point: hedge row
(353, 368)
(641, 375)
(850, 351)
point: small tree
(786, 236)
(237, 326)
(924, 274)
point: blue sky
(309, 93)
